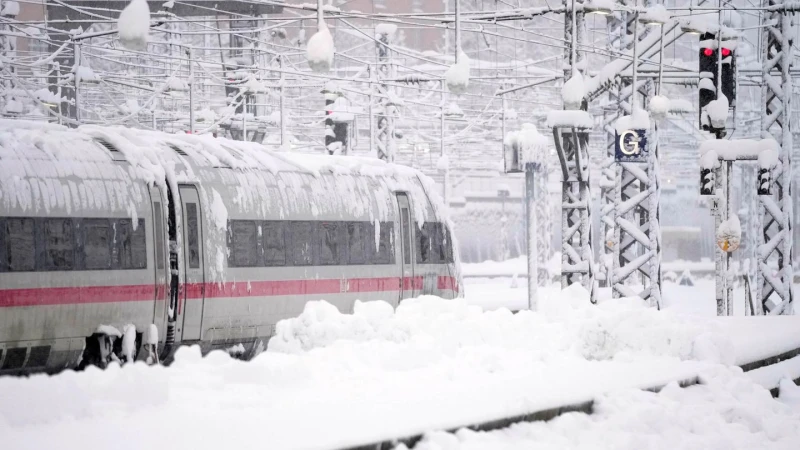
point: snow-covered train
(118, 243)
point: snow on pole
(729, 234)
(320, 49)
(134, 25)
(457, 76)
(572, 91)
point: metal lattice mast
(775, 274)
(637, 235)
(385, 121)
(612, 111)
(577, 257)
(572, 144)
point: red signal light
(708, 51)
(726, 52)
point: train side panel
(71, 256)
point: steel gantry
(775, 271)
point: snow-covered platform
(334, 380)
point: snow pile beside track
(567, 325)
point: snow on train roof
(44, 165)
(46, 168)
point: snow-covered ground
(727, 412)
(330, 380)
(511, 293)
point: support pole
(385, 129)
(531, 236)
(443, 147)
(457, 12)
(281, 105)
(370, 112)
(76, 51)
(190, 82)
(729, 255)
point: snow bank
(566, 325)
(134, 25)
(320, 49)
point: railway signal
(711, 74)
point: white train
(176, 239)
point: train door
(406, 236)
(194, 288)
(159, 256)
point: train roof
(113, 159)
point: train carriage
(115, 238)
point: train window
(384, 253)
(426, 243)
(59, 244)
(20, 253)
(274, 242)
(301, 246)
(131, 246)
(447, 245)
(358, 238)
(193, 245)
(332, 243)
(244, 244)
(158, 219)
(97, 244)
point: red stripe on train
(138, 293)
